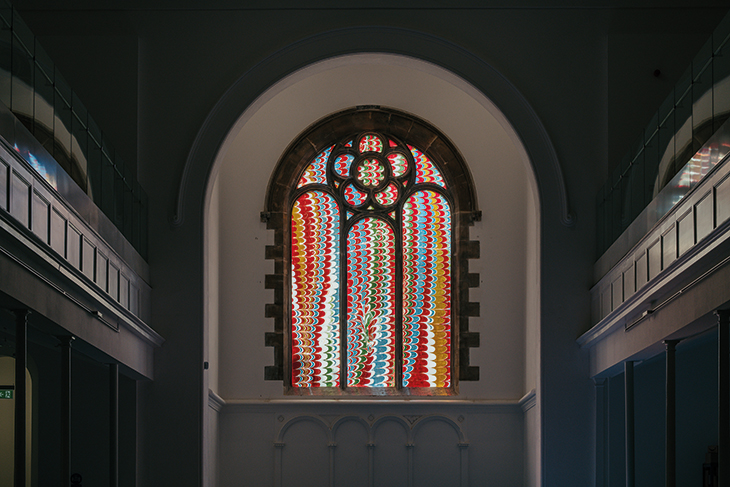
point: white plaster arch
(271, 104)
(250, 90)
(498, 162)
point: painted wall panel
(58, 232)
(124, 290)
(391, 454)
(4, 171)
(686, 232)
(246, 447)
(73, 246)
(41, 215)
(102, 264)
(88, 257)
(722, 201)
(617, 292)
(352, 454)
(641, 271)
(655, 259)
(704, 217)
(211, 458)
(532, 451)
(133, 298)
(669, 247)
(305, 455)
(371, 444)
(606, 301)
(114, 281)
(629, 278)
(495, 462)
(20, 199)
(437, 454)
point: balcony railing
(665, 154)
(36, 93)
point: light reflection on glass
(666, 164)
(39, 167)
(58, 138)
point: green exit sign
(6, 393)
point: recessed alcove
(237, 265)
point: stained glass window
(371, 209)
(371, 287)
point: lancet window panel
(372, 260)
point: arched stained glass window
(372, 259)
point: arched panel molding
(422, 426)
(353, 453)
(441, 419)
(392, 419)
(345, 419)
(282, 459)
(312, 419)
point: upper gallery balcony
(73, 217)
(664, 221)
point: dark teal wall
(696, 423)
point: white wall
(498, 170)
(212, 295)
(257, 411)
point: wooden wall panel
(596, 305)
